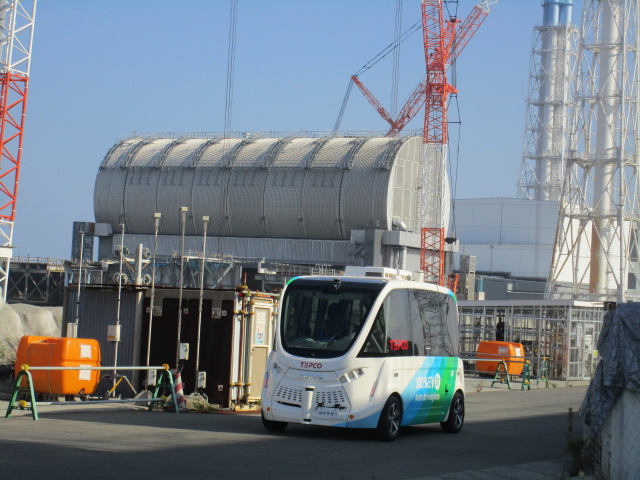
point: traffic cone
(180, 400)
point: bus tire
(390, 420)
(272, 425)
(455, 419)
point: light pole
(183, 215)
(116, 333)
(75, 326)
(156, 216)
(205, 221)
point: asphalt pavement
(509, 434)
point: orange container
(500, 351)
(60, 352)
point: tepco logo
(310, 365)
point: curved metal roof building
(292, 187)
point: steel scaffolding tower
(548, 103)
(596, 247)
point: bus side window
(417, 328)
(390, 334)
(397, 311)
(375, 345)
(432, 306)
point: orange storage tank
(500, 351)
(60, 352)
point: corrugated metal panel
(245, 195)
(210, 184)
(321, 202)
(141, 184)
(364, 194)
(216, 155)
(296, 153)
(252, 155)
(262, 187)
(271, 249)
(140, 199)
(283, 189)
(102, 195)
(299, 250)
(333, 152)
(98, 310)
(405, 181)
(283, 202)
(110, 183)
(321, 190)
(174, 191)
(147, 153)
(208, 198)
(115, 155)
(116, 197)
(180, 155)
(245, 201)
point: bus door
(436, 378)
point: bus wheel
(390, 419)
(454, 421)
(272, 425)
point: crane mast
(443, 40)
(16, 38)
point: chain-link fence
(614, 452)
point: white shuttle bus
(370, 349)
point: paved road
(503, 428)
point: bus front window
(323, 321)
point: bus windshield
(322, 319)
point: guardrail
(165, 375)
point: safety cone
(181, 401)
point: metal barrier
(25, 373)
(526, 369)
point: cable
(336, 127)
(231, 54)
(453, 172)
(446, 5)
(389, 48)
(396, 60)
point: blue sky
(104, 69)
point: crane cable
(396, 61)
(382, 54)
(390, 48)
(453, 166)
(231, 58)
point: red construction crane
(443, 42)
(16, 38)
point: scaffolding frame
(563, 331)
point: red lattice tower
(16, 38)
(443, 41)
